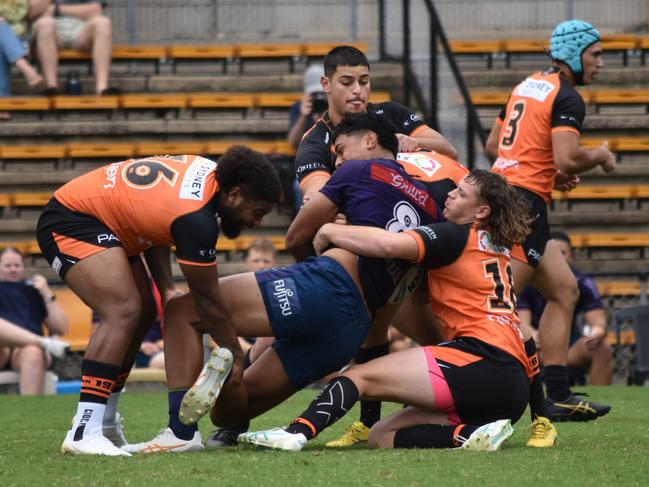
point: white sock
(111, 408)
(88, 419)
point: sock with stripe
(371, 410)
(537, 396)
(182, 431)
(113, 399)
(433, 436)
(333, 402)
(97, 381)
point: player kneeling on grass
(468, 390)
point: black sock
(371, 410)
(537, 396)
(556, 381)
(181, 430)
(333, 402)
(246, 359)
(433, 436)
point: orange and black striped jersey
(543, 104)
(470, 285)
(157, 201)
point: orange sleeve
(565, 128)
(312, 174)
(199, 264)
(421, 248)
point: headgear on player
(568, 42)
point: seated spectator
(72, 24)
(588, 346)
(13, 28)
(260, 255)
(28, 305)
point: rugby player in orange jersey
(467, 390)
(93, 231)
(535, 144)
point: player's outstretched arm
(214, 313)
(430, 139)
(572, 158)
(367, 241)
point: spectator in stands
(588, 346)
(12, 31)
(72, 24)
(28, 305)
(260, 255)
(310, 108)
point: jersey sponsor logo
(430, 233)
(111, 175)
(426, 164)
(192, 186)
(311, 166)
(417, 195)
(326, 138)
(207, 252)
(284, 298)
(106, 238)
(534, 88)
(485, 244)
(501, 163)
(534, 254)
(405, 217)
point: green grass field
(613, 451)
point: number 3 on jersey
(145, 174)
(510, 131)
(502, 298)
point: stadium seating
(79, 316)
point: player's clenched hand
(609, 163)
(406, 143)
(565, 182)
(321, 239)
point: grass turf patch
(612, 450)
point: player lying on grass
(319, 310)
(463, 392)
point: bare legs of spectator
(47, 48)
(31, 362)
(31, 75)
(97, 36)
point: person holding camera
(310, 108)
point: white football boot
(93, 443)
(276, 438)
(490, 436)
(203, 394)
(166, 441)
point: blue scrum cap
(568, 42)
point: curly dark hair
(343, 56)
(384, 129)
(251, 171)
(509, 220)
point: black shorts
(65, 236)
(534, 244)
(485, 382)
